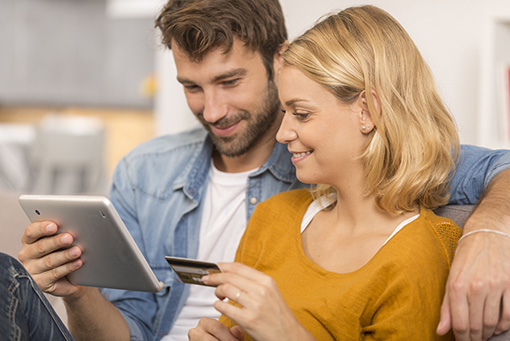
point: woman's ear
(366, 122)
(365, 117)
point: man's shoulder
(165, 158)
(154, 166)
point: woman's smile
(299, 156)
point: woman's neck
(345, 237)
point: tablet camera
(37, 212)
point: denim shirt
(158, 189)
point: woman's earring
(365, 129)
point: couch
(14, 221)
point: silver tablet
(111, 258)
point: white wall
(449, 33)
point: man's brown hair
(197, 26)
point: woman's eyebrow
(294, 100)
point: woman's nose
(286, 133)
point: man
(190, 195)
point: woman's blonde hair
(408, 156)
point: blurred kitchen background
(76, 93)
(84, 81)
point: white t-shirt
(223, 224)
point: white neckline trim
(401, 225)
(315, 207)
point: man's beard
(258, 124)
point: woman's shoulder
(447, 232)
(427, 240)
(283, 208)
(294, 198)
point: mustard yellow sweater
(396, 296)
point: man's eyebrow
(184, 80)
(232, 73)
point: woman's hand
(262, 311)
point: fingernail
(205, 278)
(51, 227)
(74, 252)
(66, 239)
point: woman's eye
(300, 116)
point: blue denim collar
(279, 164)
(193, 177)
(195, 174)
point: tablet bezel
(111, 258)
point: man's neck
(253, 159)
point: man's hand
(48, 258)
(210, 329)
(477, 300)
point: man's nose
(215, 107)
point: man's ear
(278, 60)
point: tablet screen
(111, 258)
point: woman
(362, 255)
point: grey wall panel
(68, 52)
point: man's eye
(191, 87)
(231, 82)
